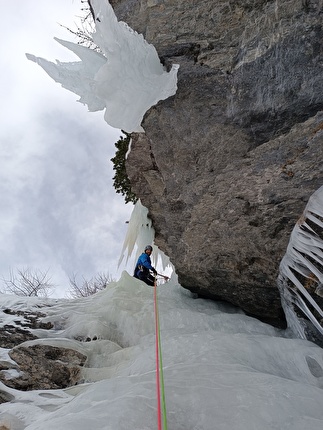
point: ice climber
(143, 267)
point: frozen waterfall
(223, 370)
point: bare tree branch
(86, 28)
(88, 287)
(28, 282)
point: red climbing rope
(159, 412)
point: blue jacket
(145, 262)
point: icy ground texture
(222, 369)
(301, 269)
(125, 80)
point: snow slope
(222, 369)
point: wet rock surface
(35, 366)
(43, 367)
(17, 333)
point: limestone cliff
(227, 165)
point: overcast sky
(58, 208)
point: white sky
(58, 208)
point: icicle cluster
(141, 233)
(301, 269)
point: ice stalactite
(126, 78)
(141, 233)
(301, 272)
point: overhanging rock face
(227, 165)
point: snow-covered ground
(222, 369)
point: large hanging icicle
(301, 270)
(126, 81)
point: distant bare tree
(28, 282)
(88, 287)
(86, 27)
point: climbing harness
(161, 404)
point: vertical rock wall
(227, 165)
